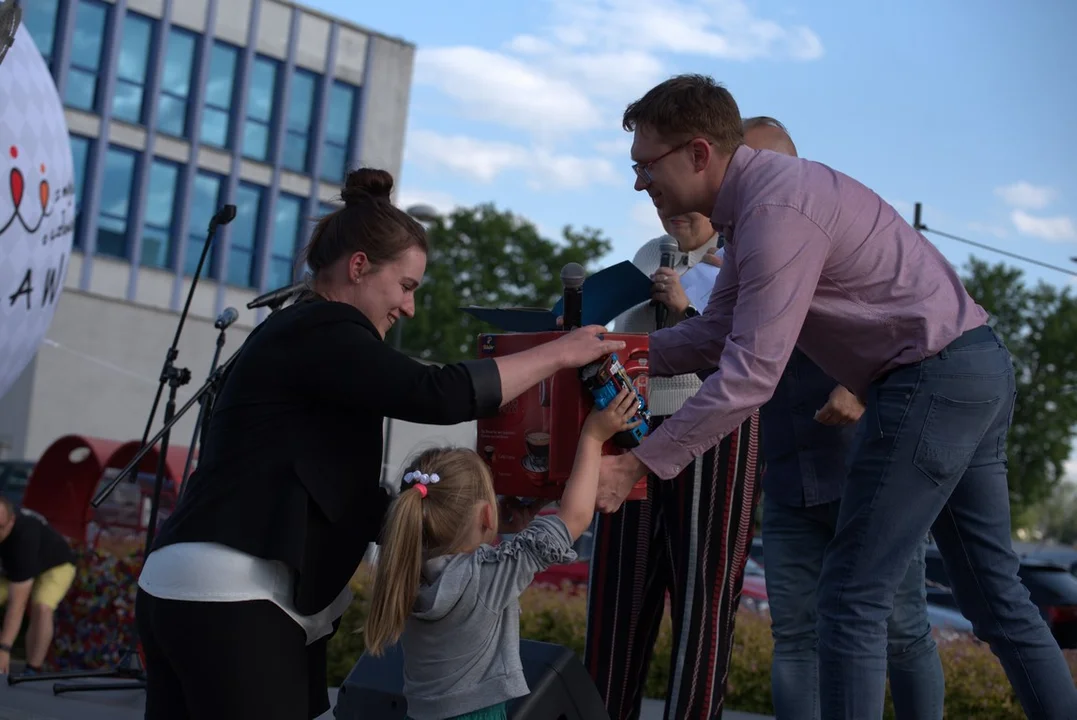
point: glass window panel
(301, 101)
(89, 35)
(172, 115)
(222, 75)
(112, 236)
(256, 140)
(215, 124)
(161, 195)
(241, 254)
(294, 154)
(80, 151)
(116, 185)
(263, 89)
(39, 17)
(155, 247)
(340, 114)
(334, 163)
(134, 48)
(179, 62)
(127, 101)
(81, 90)
(286, 223)
(203, 206)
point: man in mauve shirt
(816, 260)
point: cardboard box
(531, 444)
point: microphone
(226, 318)
(10, 15)
(276, 297)
(572, 276)
(668, 257)
(224, 216)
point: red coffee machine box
(531, 444)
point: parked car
(1057, 554)
(1052, 588)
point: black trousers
(228, 660)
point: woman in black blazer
(249, 576)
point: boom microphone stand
(130, 667)
(224, 320)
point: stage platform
(35, 701)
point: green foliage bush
(975, 683)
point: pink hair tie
(421, 488)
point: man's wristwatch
(690, 312)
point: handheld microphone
(668, 258)
(226, 318)
(572, 277)
(224, 216)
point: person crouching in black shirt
(249, 576)
(39, 567)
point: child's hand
(601, 425)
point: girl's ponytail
(399, 570)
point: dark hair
(687, 106)
(368, 222)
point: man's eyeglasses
(643, 169)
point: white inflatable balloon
(37, 204)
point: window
(241, 255)
(39, 17)
(202, 208)
(340, 117)
(131, 68)
(296, 154)
(115, 202)
(287, 223)
(80, 152)
(86, 48)
(157, 220)
(176, 82)
(220, 88)
(261, 101)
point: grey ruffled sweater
(665, 396)
(462, 641)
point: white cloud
(1025, 195)
(1051, 229)
(576, 73)
(645, 217)
(485, 160)
(493, 86)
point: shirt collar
(724, 215)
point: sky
(961, 106)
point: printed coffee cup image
(488, 453)
(538, 451)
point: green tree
(487, 257)
(1039, 326)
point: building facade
(176, 108)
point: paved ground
(35, 701)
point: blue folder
(606, 294)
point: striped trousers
(689, 538)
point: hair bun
(366, 182)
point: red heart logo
(43, 190)
(16, 186)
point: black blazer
(292, 462)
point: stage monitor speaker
(560, 687)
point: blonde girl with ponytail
(450, 596)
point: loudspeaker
(560, 687)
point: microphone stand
(224, 321)
(130, 667)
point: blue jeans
(933, 457)
(794, 541)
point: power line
(924, 228)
